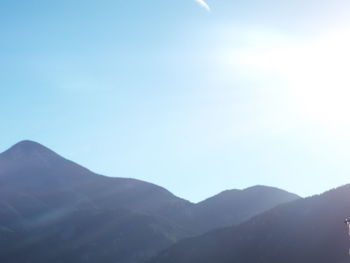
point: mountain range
(54, 210)
(306, 230)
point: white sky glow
(315, 71)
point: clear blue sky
(250, 92)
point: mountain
(232, 207)
(31, 168)
(303, 231)
(54, 210)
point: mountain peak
(27, 144)
(26, 149)
(270, 189)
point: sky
(195, 96)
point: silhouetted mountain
(53, 210)
(31, 168)
(303, 231)
(232, 207)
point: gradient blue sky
(253, 92)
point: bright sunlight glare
(316, 73)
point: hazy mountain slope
(304, 231)
(31, 168)
(48, 204)
(236, 206)
(42, 176)
(53, 210)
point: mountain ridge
(27, 147)
(305, 230)
(43, 195)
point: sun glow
(316, 72)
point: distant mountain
(49, 204)
(303, 231)
(232, 207)
(31, 168)
(53, 210)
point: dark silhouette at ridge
(54, 210)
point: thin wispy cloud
(203, 4)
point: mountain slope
(49, 180)
(53, 210)
(31, 168)
(304, 231)
(232, 207)
(88, 236)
